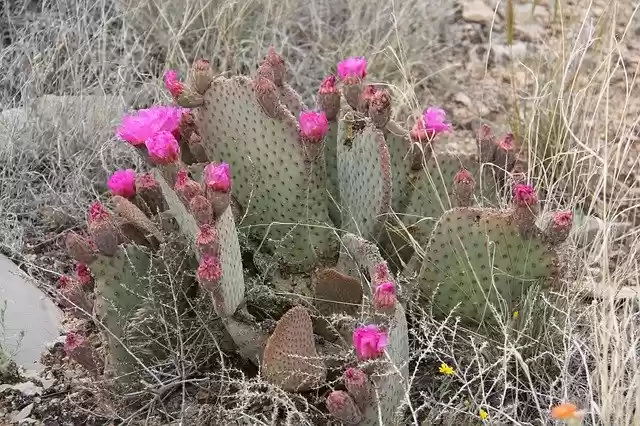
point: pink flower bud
(218, 177)
(329, 97)
(524, 195)
(277, 64)
(72, 341)
(186, 187)
(559, 227)
(328, 85)
(313, 125)
(342, 407)
(366, 97)
(354, 66)
(84, 274)
(97, 212)
(370, 342)
(146, 181)
(357, 384)
(173, 85)
(201, 209)
(381, 273)
(384, 298)
(207, 240)
(380, 108)
(463, 186)
(64, 281)
(209, 272)
(123, 183)
(163, 148)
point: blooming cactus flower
(163, 148)
(137, 128)
(352, 66)
(123, 183)
(218, 177)
(173, 85)
(313, 125)
(385, 296)
(434, 123)
(83, 273)
(369, 341)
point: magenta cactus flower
(524, 195)
(163, 148)
(172, 83)
(384, 297)
(123, 182)
(207, 240)
(434, 123)
(218, 177)
(137, 128)
(354, 66)
(313, 125)
(370, 342)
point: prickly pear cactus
(279, 184)
(483, 258)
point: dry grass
(561, 349)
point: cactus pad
(473, 253)
(336, 292)
(232, 279)
(364, 176)
(272, 181)
(290, 357)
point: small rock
(462, 98)
(23, 414)
(477, 11)
(28, 388)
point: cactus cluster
(315, 190)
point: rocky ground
(478, 85)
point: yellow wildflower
(446, 370)
(516, 314)
(483, 414)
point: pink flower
(137, 128)
(352, 66)
(123, 183)
(434, 122)
(385, 296)
(313, 125)
(218, 177)
(524, 195)
(163, 148)
(369, 342)
(173, 85)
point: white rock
(477, 11)
(23, 414)
(31, 319)
(28, 388)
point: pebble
(477, 11)
(23, 414)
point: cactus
(298, 174)
(478, 258)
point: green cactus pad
(473, 253)
(391, 383)
(364, 176)
(121, 283)
(280, 192)
(291, 99)
(186, 222)
(290, 357)
(331, 161)
(432, 193)
(399, 146)
(232, 280)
